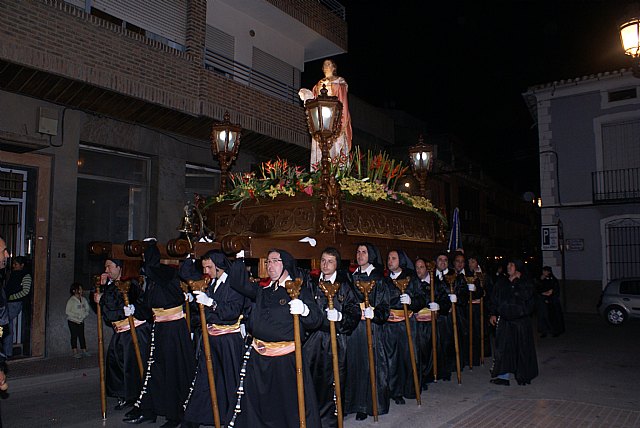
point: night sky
(462, 66)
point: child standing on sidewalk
(77, 310)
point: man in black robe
(395, 339)
(511, 308)
(317, 352)
(357, 386)
(549, 309)
(268, 388)
(424, 346)
(469, 290)
(123, 377)
(171, 361)
(223, 311)
(484, 283)
(445, 279)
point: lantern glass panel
(629, 36)
(327, 118)
(221, 140)
(232, 140)
(315, 119)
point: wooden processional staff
(103, 390)
(293, 288)
(402, 285)
(365, 288)
(480, 277)
(451, 280)
(434, 325)
(202, 285)
(123, 287)
(470, 280)
(330, 290)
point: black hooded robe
(357, 389)
(226, 349)
(171, 362)
(424, 346)
(395, 340)
(512, 303)
(270, 395)
(122, 376)
(317, 352)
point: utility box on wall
(47, 121)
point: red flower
(315, 273)
(386, 272)
(353, 267)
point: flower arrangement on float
(371, 176)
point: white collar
(427, 278)
(441, 274)
(221, 280)
(368, 270)
(394, 275)
(282, 281)
(332, 278)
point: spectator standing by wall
(17, 290)
(77, 310)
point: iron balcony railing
(246, 75)
(617, 185)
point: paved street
(589, 377)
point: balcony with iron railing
(618, 185)
(246, 75)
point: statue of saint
(337, 87)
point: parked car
(620, 300)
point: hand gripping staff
(434, 326)
(103, 391)
(202, 285)
(470, 280)
(123, 288)
(365, 288)
(330, 290)
(451, 278)
(293, 288)
(402, 285)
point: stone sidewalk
(589, 377)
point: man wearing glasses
(268, 390)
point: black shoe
(523, 382)
(171, 423)
(361, 416)
(399, 400)
(498, 381)
(138, 419)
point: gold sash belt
(397, 315)
(273, 349)
(423, 315)
(166, 315)
(123, 325)
(220, 329)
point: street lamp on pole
(421, 157)
(324, 117)
(225, 141)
